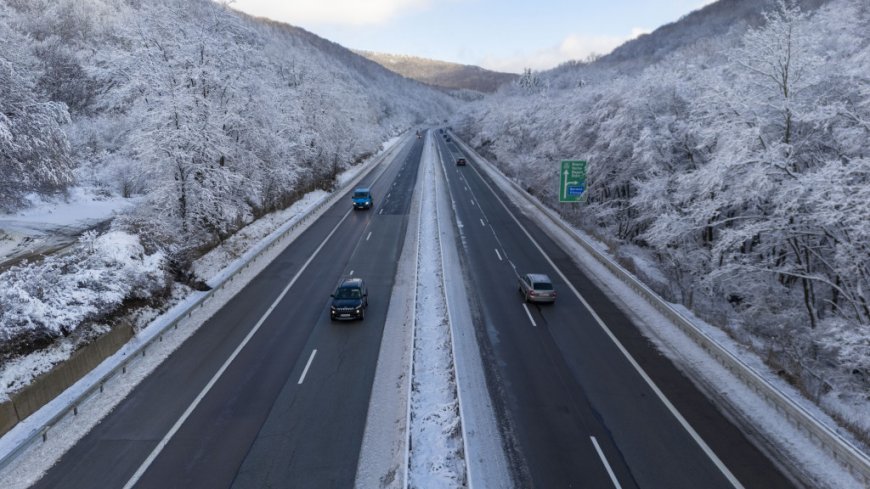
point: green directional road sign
(572, 181)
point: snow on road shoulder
(437, 458)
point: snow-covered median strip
(437, 457)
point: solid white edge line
(497, 254)
(529, 314)
(679, 417)
(606, 464)
(305, 371)
(187, 412)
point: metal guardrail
(273, 240)
(852, 458)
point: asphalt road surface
(574, 409)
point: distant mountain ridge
(713, 20)
(441, 74)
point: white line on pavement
(529, 314)
(606, 465)
(498, 254)
(305, 371)
(369, 236)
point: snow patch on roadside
(52, 223)
(437, 459)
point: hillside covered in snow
(442, 74)
(731, 172)
(204, 118)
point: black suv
(350, 300)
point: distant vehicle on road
(460, 162)
(350, 300)
(447, 139)
(537, 287)
(362, 198)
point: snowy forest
(730, 172)
(204, 118)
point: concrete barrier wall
(49, 385)
(8, 417)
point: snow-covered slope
(441, 73)
(203, 118)
(735, 165)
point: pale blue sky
(502, 35)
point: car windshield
(347, 293)
(543, 286)
(360, 195)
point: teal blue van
(362, 198)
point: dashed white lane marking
(472, 201)
(380, 212)
(482, 223)
(305, 371)
(351, 273)
(606, 465)
(369, 236)
(529, 314)
(498, 254)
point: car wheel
(362, 314)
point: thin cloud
(336, 12)
(572, 47)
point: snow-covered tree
(34, 151)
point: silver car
(537, 287)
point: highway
(574, 409)
(271, 393)
(290, 409)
